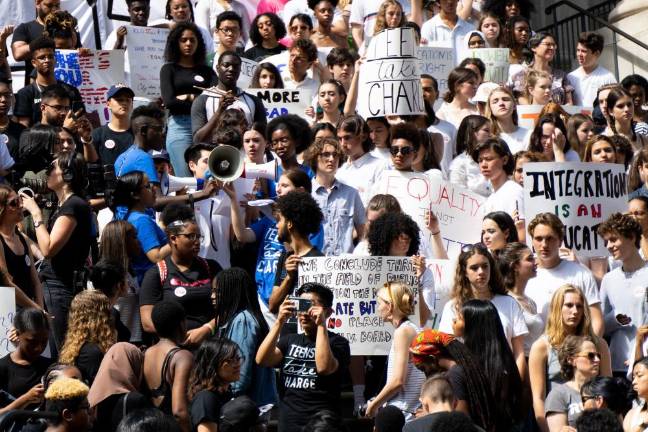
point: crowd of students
(140, 309)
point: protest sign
(247, 72)
(146, 56)
(280, 60)
(278, 102)
(459, 210)
(496, 61)
(7, 312)
(528, 114)
(443, 274)
(92, 74)
(437, 62)
(390, 81)
(581, 194)
(355, 281)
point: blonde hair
(489, 113)
(401, 296)
(89, 321)
(531, 79)
(381, 20)
(555, 329)
(66, 388)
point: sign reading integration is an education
(581, 194)
(355, 282)
(390, 80)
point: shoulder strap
(125, 401)
(162, 268)
(161, 390)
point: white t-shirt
(464, 172)
(213, 217)
(516, 140)
(449, 133)
(507, 198)
(547, 281)
(437, 33)
(508, 309)
(362, 174)
(364, 12)
(586, 86)
(454, 116)
(206, 12)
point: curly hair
(60, 24)
(381, 19)
(462, 289)
(316, 149)
(555, 327)
(277, 24)
(508, 259)
(498, 7)
(297, 128)
(307, 47)
(89, 321)
(567, 351)
(623, 149)
(209, 358)
(622, 224)
(302, 210)
(387, 228)
(172, 49)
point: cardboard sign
(390, 80)
(92, 74)
(247, 72)
(581, 194)
(437, 62)
(529, 114)
(496, 61)
(146, 56)
(459, 210)
(355, 281)
(7, 313)
(279, 102)
(443, 272)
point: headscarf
(120, 372)
(466, 39)
(428, 343)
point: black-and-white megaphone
(226, 164)
(169, 183)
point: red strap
(162, 268)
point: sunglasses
(405, 151)
(591, 356)
(470, 247)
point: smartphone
(301, 304)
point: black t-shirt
(257, 53)
(88, 361)
(177, 80)
(110, 144)
(206, 407)
(12, 140)
(28, 101)
(27, 32)
(17, 379)
(192, 289)
(74, 252)
(281, 273)
(111, 410)
(304, 392)
(457, 381)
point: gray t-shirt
(564, 399)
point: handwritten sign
(7, 312)
(496, 61)
(581, 194)
(437, 62)
(247, 72)
(459, 210)
(279, 102)
(279, 60)
(390, 80)
(529, 114)
(146, 56)
(443, 272)
(355, 282)
(92, 74)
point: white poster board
(355, 281)
(437, 62)
(7, 313)
(459, 210)
(390, 80)
(496, 61)
(279, 102)
(92, 74)
(529, 114)
(146, 56)
(443, 272)
(247, 72)
(581, 194)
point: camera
(101, 180)
(301, 304)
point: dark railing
(567, 30)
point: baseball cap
(239, 414)
(159, 155)
(113, 90)
(484, 91)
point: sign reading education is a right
(581, 194)
(146, 56)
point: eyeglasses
(59, 108)
(329, 155)
(549, 45)
(191, 236)
(469, 247)
(405, 151)
(591, 356)
(229, 30)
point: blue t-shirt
(150, 236)
(272, 186)
(270, 249)
(136, 159)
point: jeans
(57, 298)
(178, 139)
